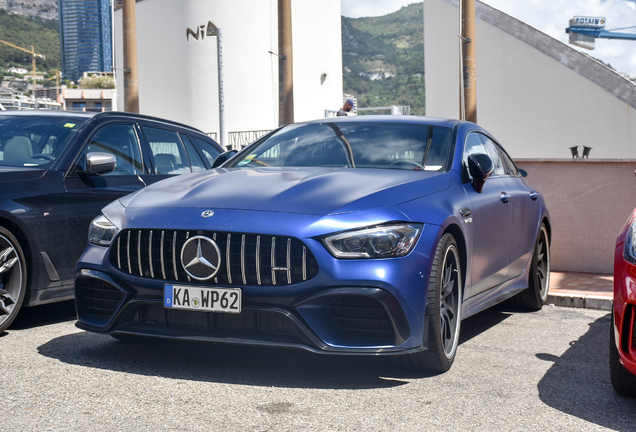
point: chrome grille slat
(258, 259)
(174, 255)
(304, 263)
(227, 259)
(152, 272)
(163, 266)
(139, 254)
(243, 259)
(128, 252)
(246, 259)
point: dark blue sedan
(358, 235)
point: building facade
(182, 83)
(85, 37)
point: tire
(533, 297)
(13, 279)
(623, 381)
(443, 312)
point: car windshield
(384, 145)
(34, 141)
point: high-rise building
(85, 37)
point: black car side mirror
(100, 163)
(223, 157)
(523, 172)
(480, 168)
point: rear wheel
(12, 278)
(623, 381)
(533, 297)
(443, 311)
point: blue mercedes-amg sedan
(356, 235)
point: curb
(581, 301)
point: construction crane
(33, 56)
(584, 31)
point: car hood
(13, 174)
(317, 191)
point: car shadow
(38, 316)
(578, 383)
(236, 364)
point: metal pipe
(131, 80)
(219, 51)
(285, 64)
(469, 60)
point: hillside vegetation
(390, 49)
(22, 31)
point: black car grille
(97, 299)
(246, 259)
(364, 317)
(249, 324)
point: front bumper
(350, 307)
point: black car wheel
(12, 278)
(443, 311)
(533, 297)
(623, 381)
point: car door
(87, 194)
(525, 212)
(491, 224)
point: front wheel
(12, 278)
(443, 311)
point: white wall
(178, 78)
(536, 95)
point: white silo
(177, 62)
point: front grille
(97, 299)
(249, 324)
(246, 259)
(362, 317)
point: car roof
(100, 115)
(47, 113)
(389, 119)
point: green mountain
(23, 31)
(383, 59)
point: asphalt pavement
(514, 371)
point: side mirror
(100, 163)
(480, 168)
(223, 157)
(523, 172)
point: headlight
(102, 231)
(386, 241)
(629, 252)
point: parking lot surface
(514, 372)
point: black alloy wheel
(443, 311)
(12, 278)
(533, 297)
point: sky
(549, 16)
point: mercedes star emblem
(207, 213)
(200, 257)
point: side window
(512, 168)
(195, 160)
(210, 151)
(121, 141)
(495, 155)
(170, 156)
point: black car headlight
(386, 241)
(629, 251)
(102, 231)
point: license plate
(205, 299)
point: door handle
(505, 198)
(534, 195)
